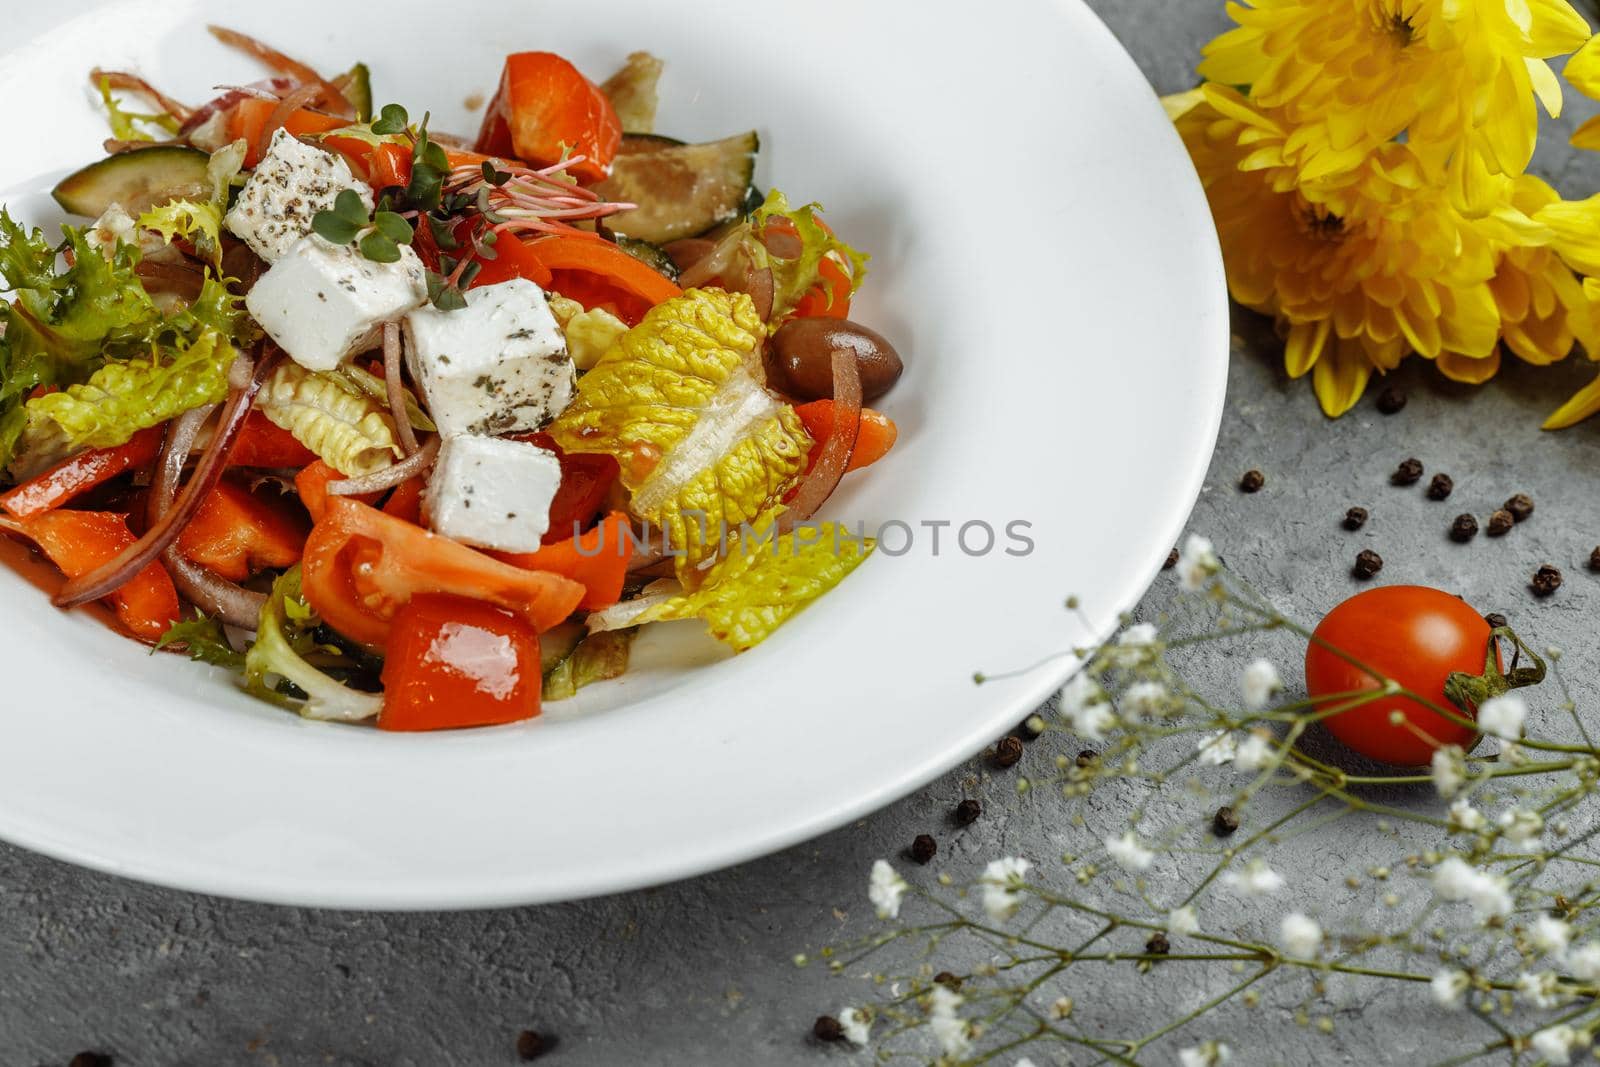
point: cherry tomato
(458, 662)
(1414, 635)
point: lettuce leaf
(763, 580)
(203, 639)
(679, 402)
(125, 124)
(285, 643)
(200, 224)
(596, 658)
(792, 278)
(120, 399)
(348, 429)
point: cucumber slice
(138, 180)
(634, 144)
(682, 189)
(653, 256)
(359, 91)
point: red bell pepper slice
(877, 435)
(312, 485)
(544, 110)
(237, 533)
(78, 542)
(456, 662)
(263, 443)
(76, 476)
(597, 559)
(596, 273)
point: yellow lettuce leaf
(763, 580)
(679, 402)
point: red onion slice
(331, 96)
(116, 573)
(397, 389)
(391, 476)
(132, 83)
(840, 446)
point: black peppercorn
(1368, 563)
(531, 1045)
(1408, 473)
(1464, 529)
(1440, 487)
(924, 848)
(1355, 518)
(1500, 523)
(1158, 945)
(827, 1028)
(1391, 400)
(1252, 481)
(1594, 559)
(1087, 757)
(1546, 580)
(967, 812)
(1520, 506)
(1224, 822)
(948, 980)
(1172, 560)
(1495, 620)
(1008, 751)
(90, 1059)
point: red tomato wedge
(455, 662)
(585, 482)
(76, 476)
(237, 533)
(544, 110)
(597, 559)
(362, 566)
(263, 443)
(78, 542)
(312, 485)
(877, 435)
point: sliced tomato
(512, 259)
(586, 480)
(78, 542)
(406, 500)
(237, 532)
(362, 566)
(249, 117)
(876, 436)
(830, 297)
(544, 110)
(81, 473)
(263, 443)
(597, 273)
(312, 485)
(456, 662)
(597, 559)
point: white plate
(1044, 260)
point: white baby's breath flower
(1182, 920)
(1520, 825)
(1256, 753)
(1197, 562)
(1449, 987)
(1490, 897)
(1449, 770)
(885, 888)
(1217, 747)
(1542, 990)
(1083, 704)
(949, 1029)
(1584, 961)
(1001, 881)
(1129, 853)
(1260, 684)
(857, 1025)
(1134, 647)
(1024, 1062)
(1555, 1043)
(1144, 700)
(1300, 935)
(1257, 879)
(1503, 716)
(1465, 817)
(1210, 1054)
(1454, 879)
(1551, 936)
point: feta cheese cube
(289, 186)
(491, 492)
(323, 303)
(497, 366)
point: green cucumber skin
(137, 179)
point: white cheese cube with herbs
(491, 492)
(323, 303)
(289, 186)
(497, 366)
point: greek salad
(419, 430)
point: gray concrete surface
(700, 972)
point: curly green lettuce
(764, 580)
(679, 402)
(120, 399)
(203, 639)
(285, 645)
(199, 224)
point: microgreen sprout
(378, 236)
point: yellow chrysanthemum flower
(1359, 268)
(1457, 77)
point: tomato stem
(1468, 692)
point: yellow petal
(1546, 86)
(1340, 378)
(1584, 402)
(1180, 104)
(1556, 27)
(1469, 369)
(1583, 69)
(1587, 135)
(1304, 345)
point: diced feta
(498, 365)
(492, 492)
(323, 303)
(289, 186)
